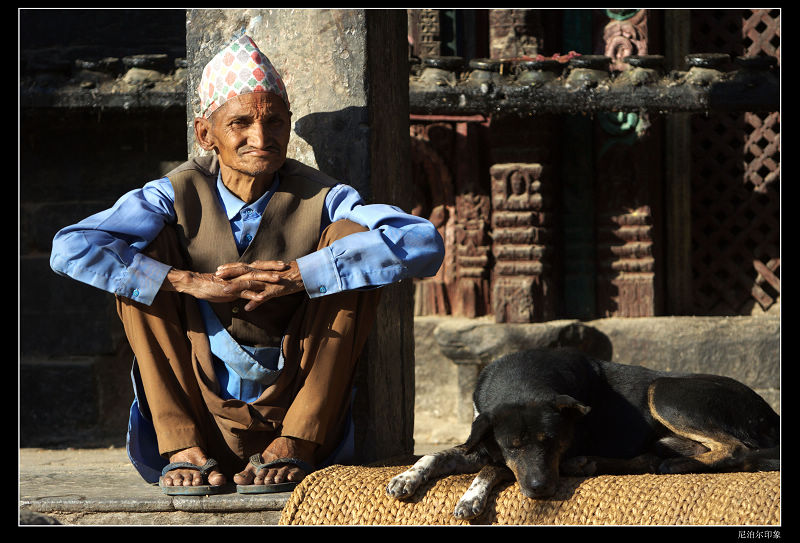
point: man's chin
(261, 168)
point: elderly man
(246, 284)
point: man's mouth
(267, 151)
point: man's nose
(258, 135)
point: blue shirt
(104, 250)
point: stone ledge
(744, 348)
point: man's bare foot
(281, 447)
(191, 477)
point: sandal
(200, 490)
(257, 462)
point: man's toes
(284, 474)
(295, 474)
(216, 478)
(245, 477)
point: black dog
(542, 412)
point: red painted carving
(625, 38)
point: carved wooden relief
(448, 191)
(523, 288)
(624, 36)
(514, 33)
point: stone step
(101, 487)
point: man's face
(251, 133)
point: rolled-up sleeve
(396, 246)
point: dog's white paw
(473, 501)
(405, 484)
(469, 506)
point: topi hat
(238, 69)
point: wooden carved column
(628, 166)
(523, 288)
(450, 191)
(473, 209)
(424, 32)
(433, 199)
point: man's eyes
(274, 121)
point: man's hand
(203, 286)
(261, 280)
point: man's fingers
(228, 271)
(269, 265)
(246, 273)
(235, 269)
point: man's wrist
(176, 280)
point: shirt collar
(233, 205)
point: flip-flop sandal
(200, 490)
(257, 462)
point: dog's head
(529, 439)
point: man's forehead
(254, 103)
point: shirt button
(323, 290)
(135, 292)
(248, 238)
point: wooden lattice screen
(736, 180)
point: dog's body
(544, 412)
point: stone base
(451, 352)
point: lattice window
(736, 179)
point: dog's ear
(562, 401)
(481, 427)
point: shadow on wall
(340, 143)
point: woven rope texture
(356, 495)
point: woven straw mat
(356, 495)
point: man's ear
(202, 133)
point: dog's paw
(578, 466)
(469, 507)
(404, 485)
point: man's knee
(165, 248)
(340, 229)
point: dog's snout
(538, 488)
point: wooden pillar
(678, 187)
(346, 72)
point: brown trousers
(309, 400)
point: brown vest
(289, 229)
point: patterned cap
(238, 69)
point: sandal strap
(204, 469)
(259, 464)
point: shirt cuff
(143, 279)
(319, 273)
